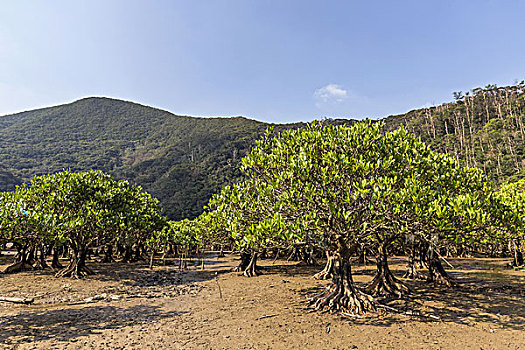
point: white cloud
(331, 93)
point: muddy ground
(127, 306)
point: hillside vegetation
(180, 160)
(483, 128)
(184, 160)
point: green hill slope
(181, 160)
(184, 160)
(484, 128)
(8, 181)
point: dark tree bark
(342, 294)
(245, 261)
(248, 265)
(55, 263)
(22, 263)
(139, 249)
(329, 268)
(108, 254)
(308, 256)
(77, 265)
(437, 273)
(127, 254)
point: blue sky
(278, 61)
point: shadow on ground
(68, 324)
(484, 293)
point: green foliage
(512, 196)
(185, 233)
(78, 209)
(183, 160)
(342, 186)
(484, 128)
(180, 160)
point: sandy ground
(130, 307)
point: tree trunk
(252, 269)
(413, 260)
(108, 254)
(518, 255)
(138, 252)
(151, 258)
(21, 262)
(329, 268)
(245, 261)
(342, 294)
(55, 263)
(41, 261)
(77, 265)
(308, 256)
(436, 272)
(384, 282)
(127, 254)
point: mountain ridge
(146, 145)
(183, 160)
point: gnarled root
(245, 261)
(413, 274)
(337, 297)
(328, 270)
(18, 267)
(252, 270)
(412, 268)
(385, 284)
(76, 268)
(40, 264)
(343, 295)
(438, 275)
(73, 270)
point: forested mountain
(183, 160)
(484, 127)
(8, 181)
(180, 160)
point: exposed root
(336, 297)
(385, 284)
(328, 270)
(40, 264)
(438, 275)
(342, 294)
(76, 270)
(443, 280)
(252, 270)
(414, 274)
(245, 261)
(18, 267)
